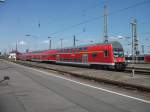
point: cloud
(117, 37)
(22, 43)
(120, 37)
(46, 42)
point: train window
(70, 60)
(106, 53)
(85, 49)
(121, 54)
(45, 56)
(115, 54)
(94, 54)
(80, 49)
(79, 60)
(69, 50)
(54, 55)
(118, 52)
(75, 50)
(75, 60)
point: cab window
(118, 53)
(106, 53)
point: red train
(110, 55)
(145, 58)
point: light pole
(74, 41)
(105, 24)
(61, 42)
(2, 1)
(91, 41)
(49, 43)
(16, 46)
(142, 46)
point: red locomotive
(110, 55)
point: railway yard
(75, 56)
(140, 80)
(71, 89)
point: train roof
(115, 44)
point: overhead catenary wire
(98, 17)
(86, 9)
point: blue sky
(64, 18)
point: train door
(57, 57)
(85, 58)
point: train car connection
(109, 55)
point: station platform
(120, 78)
(37, 90)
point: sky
(29, 23)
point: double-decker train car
(49, 55)
(110, 55)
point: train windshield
(118, 52)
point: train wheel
(120, 67)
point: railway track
(72, 72)
(138, 70)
